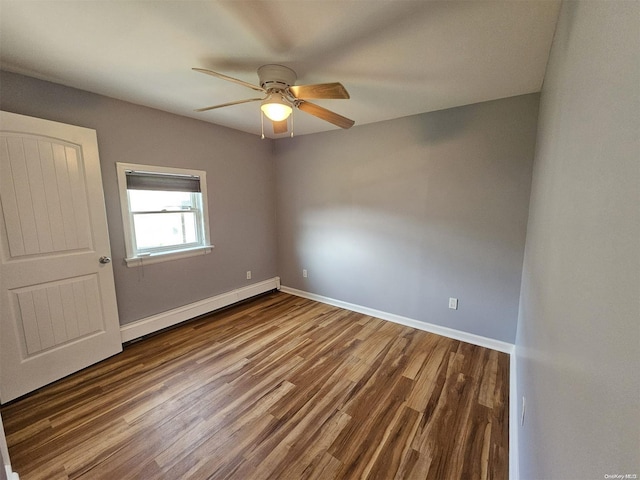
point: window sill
(167, 256)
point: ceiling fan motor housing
(276, 77)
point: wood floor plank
(279, 387)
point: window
(164, 212)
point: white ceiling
(396, 58)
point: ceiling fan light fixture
(277, 83)
(276, 108)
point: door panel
(43, 216)
(57, 300)
(52, 314)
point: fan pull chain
(292, 124)
(262, 124)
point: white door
(58, 310)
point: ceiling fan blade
(280, 127)
(230, 79)
(320, 90)
(326, 115)
(228, 104)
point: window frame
(134, 258)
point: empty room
(324, 239)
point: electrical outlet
(304, 272)
(248, 274)
(523, 411)
(453, 303)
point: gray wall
(240, 181)
(578, 337)
(401, 215)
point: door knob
(104, 259)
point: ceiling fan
(281, 96)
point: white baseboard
(10, 474)
(154, 323)
(408, 322)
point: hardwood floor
(276, 388)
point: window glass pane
(156, 201)
(165, 229)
